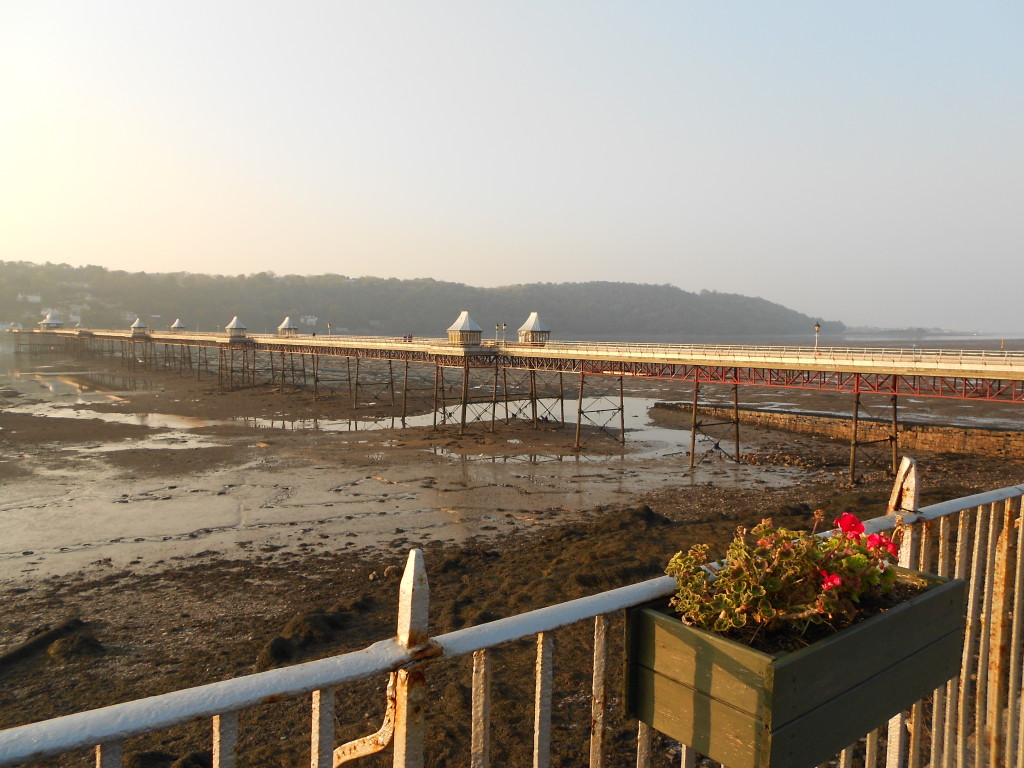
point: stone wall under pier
(1007, 443)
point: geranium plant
(763, 671)
(774, 580)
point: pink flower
(850, 525)
(881, 541)
(829, 580)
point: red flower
(829, 580)
(880, 540)
(850, 525)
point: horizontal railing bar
(941, 509)
(133, 718)
(464, 641)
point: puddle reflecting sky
(59, 390)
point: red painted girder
(953, 387)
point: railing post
(598, 697)
(975, 596)
(904, 498)
(108, 755)
(542, 703)
(480, 749)
(321, 752)
(999, 628)
(1016, 643)
(905, 495)
(225, 739)
(413, 604)
(643, 745)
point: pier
(472, 379)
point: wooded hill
(104, 298)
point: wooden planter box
(748, 709)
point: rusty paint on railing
(375, 742)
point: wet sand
(188, 548)
(103, 479)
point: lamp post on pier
(817, 329)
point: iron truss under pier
(959, 374)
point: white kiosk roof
(534, 324)
(465, 323)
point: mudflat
(198, 535)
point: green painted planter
(748, 709)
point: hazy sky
(858, 161)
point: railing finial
(905, 495)
(413, 602)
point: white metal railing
(974, 720)
(998, 364)
(982, 363)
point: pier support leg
(579, 412)
(853, 437)
(465, 397)
(533, 397)
(444, 398)
(437, 369)
(494, 396)
(561, 400)
(504, 390)
(895, 437)
(405, 393)
(391, 380)
(314, 361)
(736, 419)
(622, 413)
(693, 424)
(355, 388)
